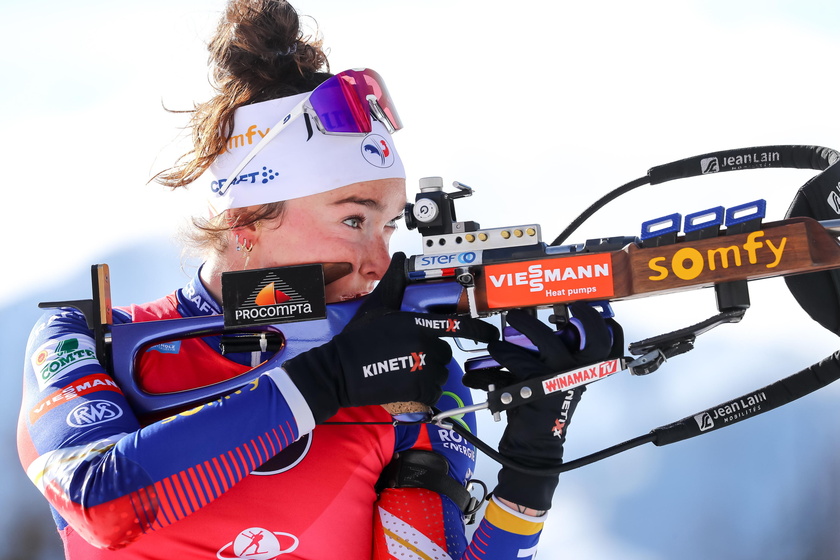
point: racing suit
(248, 475)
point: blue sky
(540, 106)
(563, 98)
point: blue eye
(354, 221)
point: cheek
(308, 245)
(388, 235)
(286, 250)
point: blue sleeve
(87, 452)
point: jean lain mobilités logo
(709, 165)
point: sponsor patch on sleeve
(60, 356)
(84, 386)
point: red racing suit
(247, 476)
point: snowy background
(541, 107)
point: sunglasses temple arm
(379, 114)
(272, 133)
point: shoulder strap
(417, 468)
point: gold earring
(245, 246)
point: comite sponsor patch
(61, 356)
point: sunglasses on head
(342, 105)
(345, 103)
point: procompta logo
(274, 295)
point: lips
(352, 297)
(348, 291)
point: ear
(248, 232)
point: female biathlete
(299, 166)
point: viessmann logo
(272, 296)
(549, 280)
(80, 387)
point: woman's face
(351, 224)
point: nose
(375, 260)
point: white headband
(298, 162)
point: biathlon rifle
(465, 269)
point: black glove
(536, 431)
(383, 355)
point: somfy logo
(709, 165)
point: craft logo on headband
(299, 161)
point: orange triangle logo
(270, 296)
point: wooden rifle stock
(782, 248)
